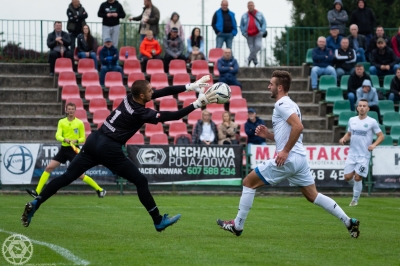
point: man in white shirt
(360, 133)
(205, 130)
(290, 161)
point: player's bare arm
(345, 138)
(380, 138)
(297, 129)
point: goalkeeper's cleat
(30, 209)
(32, 192)
(354, 228)
(353, 203)
(101, 193)
(166, 221)
(229, 226)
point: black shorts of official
(66, 153)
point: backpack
(182, 140)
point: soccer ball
(223, 92)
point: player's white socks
(332, 207)
(246, 201)
(357, 188)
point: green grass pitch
(117, 230)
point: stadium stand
(90, 79)
(93, 92)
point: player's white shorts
(296, 170)
(359, 164)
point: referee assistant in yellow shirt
(69, 130)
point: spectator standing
(338, 17)
(250, 126)
(224, 25)
(394, 93)
(86, 45)
(345, 59)
(228, 68)
(205, 130)
(383, 60)
(173, 47)
(227, 131)
(369, 93)
(333, 41)
(380, 33)
(76, 20)
(58, 41)
(149, 49)
(358, 42)
(175, 23)
(322, 62)
(109, 59)
(364, 18)
(111, 11)
(355, 81)
(253, 26)
(149, 20)
(396, 43)
(195, 46)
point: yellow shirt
(72, 130)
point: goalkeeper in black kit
(104, 146)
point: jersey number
(117, 113)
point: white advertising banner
(386, 166)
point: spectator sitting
(175, 23)
(394, 93)
(173, 47)
(228, 68)
(86, 45)
(195, 46)
(76, 20)
(205, 130)
(149, 20)
(224, 25)
(369, 93)
(383, 60)
(227, 131)
(322, 60)
(333, 41)
(250, 128)
(149, 49)
(58, 41)
(380, 33)
(357, 42)
(396, 43)
(345, 59)
(364, 18)
(338, 16)
(355, 81)
(108, 59)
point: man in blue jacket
(322, 60)
(333, 41)
(250, 128)
(108, 59)
(228, 68)
(224, 25)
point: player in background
(104, 146)
(290, 161)
(70, 131)
(360, 132)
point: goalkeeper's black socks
(155, 215)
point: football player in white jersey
(360, 132)
(290, 161)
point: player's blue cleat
(354, 228)
(166, 221)
(30, 209)
(229, 226)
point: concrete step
(22, 108)
(266, 72)
(24, 69)
(312, 136)
(267, 108)
(28, 94)
(26, 81)
(29, 120)
(261, 84)
(309, 122)
(27, 133)
(297, 96)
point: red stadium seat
(194, 116)
(159, 139)
(181, 79)
(187, 102)
(173, 121)
(113, 78)
(154, 66)
(98, 52)
(90, 78)
(159, 80)
(137, 139)
(200, 67)
(183, 135)
(131, 53)
(216, 71)
(66, 78)
(187, 95)
(88, 130)
(241, 118)
(236, 92)
(214, 54)
(86, 65)
(70, 91)
(132, 66)
(93, 92)
(168, 104)
(100, 115)
(216, 116)
(243, 133)
(177, 128)
(97, 104)
(215, 107)
(81, 114)
(116, 92)
(151, 129)
(117, 102)
(177, 66)
(77, 101)
(76, 58)
(237, 105)
(133, 77)
(150, 104)
(63, 65)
